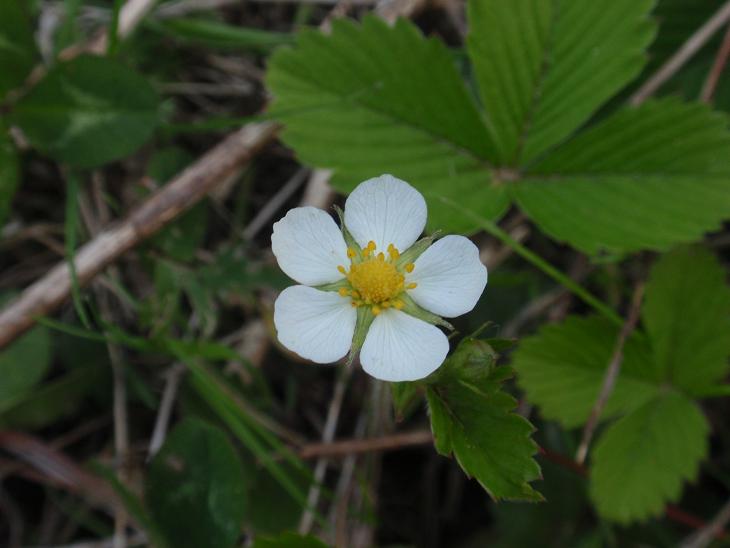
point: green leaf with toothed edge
(543, 67)
(641, 462)
(473, 418)
(645, 178)
(562, 367)
(370, 99)
(687, 315)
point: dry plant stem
(50, 291)
(345, 448)
(718, 65)
(693, 44)
(612, 371)
(709, 532)
(95, 216)
(174, 375)
(265, 214)
(333, 415)
(318, 192)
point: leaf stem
(537, 261)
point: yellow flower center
(375, 281)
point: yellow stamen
(393, 252)
(342, 269)
(398, 304)
(343, 291)
(376, 310)
(412, 285)
(381, 257)
(350, 252)
(410, 267)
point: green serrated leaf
(645, 178)
(18, 52)
(88, 112)
(687, 315)
(537, 85)
(472, 418)
(640, 463)
(562, 369)
(9, 172)
(195, 488)
(370, 99)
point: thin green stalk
(113, 32)
(70, 230)
(537, 261)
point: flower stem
(578, 290)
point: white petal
(399, 347)
(450, 277)
(387, 211)
(317, 325)
(309, 246)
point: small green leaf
(23, 364)
(88, 112)
(640, 463)
(195, 488)
(471, 417)
(370, 99)
(289, 540)
(687, 315)
(9, 172)
(562, 369)
(18, 54)
(56, 399)
(645, 178)
(536, 84)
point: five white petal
(450, 277)
(309, 246)
(387, 211)
(319, 325)
(399, 347)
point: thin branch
(328, 434)
(718, 65)
(612, 371)
(189, 187)
(174, 375)
(345, 448)
(263, 217)
(709, 532)
(693, 44)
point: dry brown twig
(718, 65)
(46, 294)
(346, 448)
(693, 44)
(612, 372)
(711, 531)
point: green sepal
(412, 253)
(334, 286)
(410, 307)
(365, 317)
(349, 240)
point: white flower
(381, 294)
